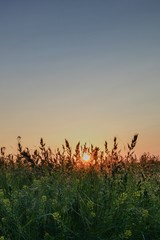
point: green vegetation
(59, 196)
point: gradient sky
(83, 70)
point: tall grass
(48, 195)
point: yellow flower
(25, 187)
(90, 204)
(122, 198)
(127, 234)
(56, 216)
(144, 213)
(43, 199)
(137, 194)
(2, 238)
(6, 202)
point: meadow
(79, 195)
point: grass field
(81, 195)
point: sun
(86, 156)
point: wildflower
(127, 234)
(137, 194)
(2, 238)
(122, 198)
(43, 199)
(25, 187)
(144, 213)
(6, 203)
(56, 216)
(36, 183)
(90, 204)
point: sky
(84, 70)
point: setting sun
(86, 156)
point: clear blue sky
(81, 70)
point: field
(81, 195)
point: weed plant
(59, 196)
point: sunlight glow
(86, 156)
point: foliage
(59, 196)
